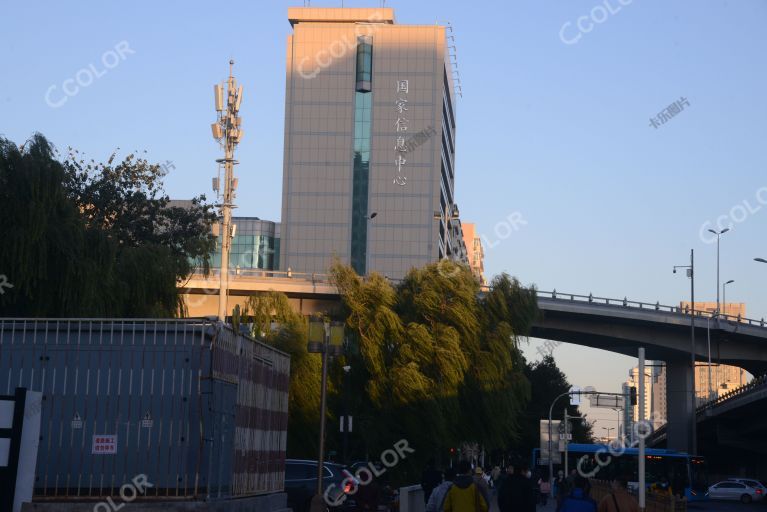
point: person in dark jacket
(517, 493)
(578, 500)
(430, 479)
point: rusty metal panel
(261, 411)
(180, 401)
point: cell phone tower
(227, 131)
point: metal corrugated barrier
(198, 409)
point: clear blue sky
(558, 133)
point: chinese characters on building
(403, 88)
(667, 113)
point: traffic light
(633, 395)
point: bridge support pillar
(679, 405)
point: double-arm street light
(718, 237)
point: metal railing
(657, 306)
(757, 383)
(321, 278)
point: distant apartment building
(709, 308)
(633, 413)
(369, 156)
(723, 377)
(476, 253)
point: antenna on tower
(228, 132)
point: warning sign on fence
(104, 444)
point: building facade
(476, 253)
(255, 245)
(723, 377)
(368, 173)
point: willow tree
(93, 239)
(441, 361)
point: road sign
(607, 401)
(575, 395)
(569, 437)
(544, 436)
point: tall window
(363, 106)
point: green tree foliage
(438, 362)
(435, 360)
(546, 383)
(90, 239)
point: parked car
(731, 490)
(751, 482)
(301, 482)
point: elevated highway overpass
(617, 325)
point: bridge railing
(754, 384)
(750, 387)
(321, 278)
(657, 306)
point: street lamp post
(691, 274)
(608, 432)
(346, 422)
(551, 411)
(724, 295)
(718, 237)
(325, 338)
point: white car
(756, 484)
(732, 490)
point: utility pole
(641, 468)
(693, 444)
(227, 131)
(693, 419)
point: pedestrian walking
(430, 478)
(619, 500)
(437, 499)
(517, 493)
(544, 488)
(561, 489)
(463, 495)
(481, 483)
(578, 500)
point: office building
(476, 253)
(368, 173)
(255, 245)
